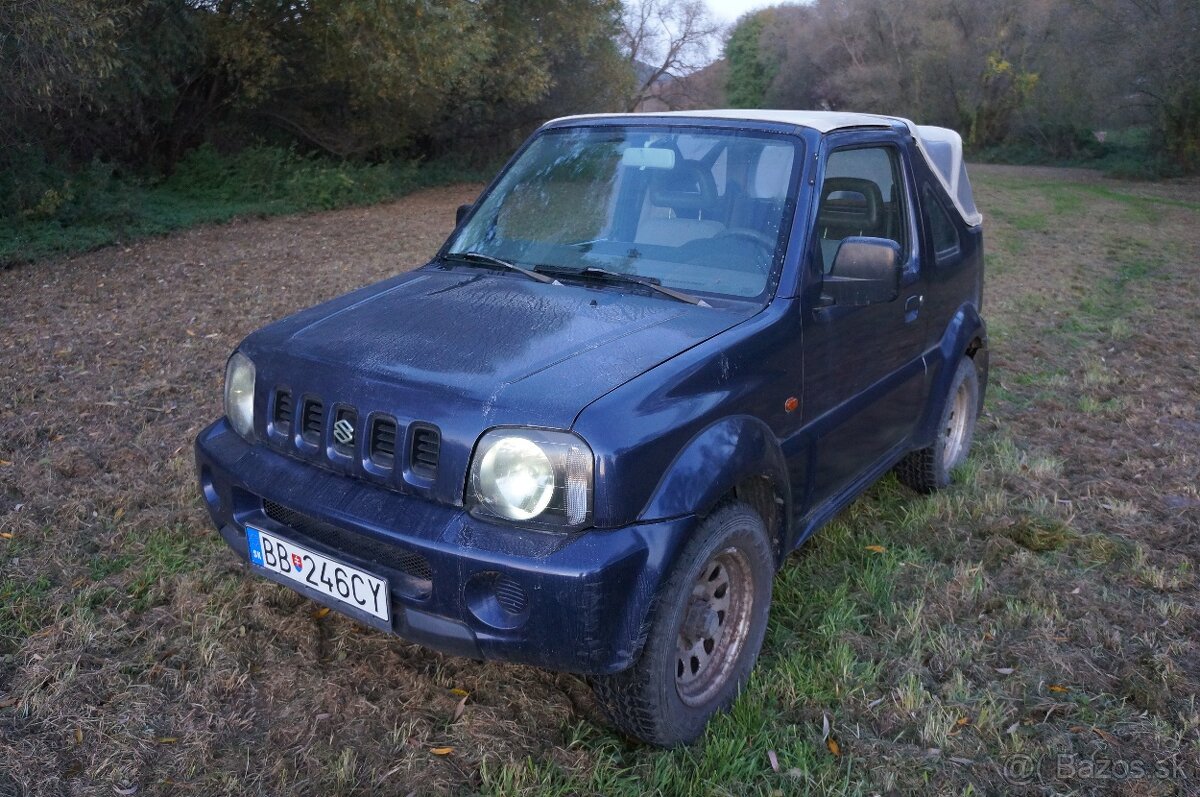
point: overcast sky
(729, 10)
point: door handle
(912, 307)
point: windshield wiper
(645, 282)
(480, 257)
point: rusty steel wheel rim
(955, 431)
(715, 627)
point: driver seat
(683, 202)
(849, 206)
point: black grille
(314, 420)
(426, 446)
(383, 442)
(509, 595)
(283, 411)
(408, 563)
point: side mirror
(462, 212)
(865, 271)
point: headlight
(531, 475)
(239, 394)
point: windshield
(697, 209)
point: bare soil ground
(1018, 634)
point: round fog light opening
(509, 595)
(496, 600)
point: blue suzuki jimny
(655, 355)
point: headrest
(851, 202)
(688, 186)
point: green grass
(24, 608)
(165, 553)
(1070, 198)
(100, 567)
(1104, 310)
(27, 604)
(48, 211)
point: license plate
(343, 583)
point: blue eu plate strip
(254, 546)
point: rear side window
(942, 230)
(862, 195)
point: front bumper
(574, 602)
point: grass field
(1032, 630)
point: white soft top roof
(941, 147)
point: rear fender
(965, 335)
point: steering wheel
(766, 242)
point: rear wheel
(705, 634)
(929, 469)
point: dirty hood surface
(499, 347)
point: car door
(864, 371)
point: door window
(941, 228)
(863, 194)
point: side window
(863, 194)
(942, 231)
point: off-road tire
(647, 700)
(929, 469)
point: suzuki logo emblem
(343, 432)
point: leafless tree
(665, 40)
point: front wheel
(705, 634)
(929, 469)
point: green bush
(1135, 153)
(48, 209)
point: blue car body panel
(796, 403)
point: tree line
(141, 83)
(1054, 75)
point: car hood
(494, 347)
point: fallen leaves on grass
(831, 741)
(1059, 688)
(459, 708)
(5, 535)
(441, 750)
(959, 724)
(1105, 735)
(319, 614)
(875, 548)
